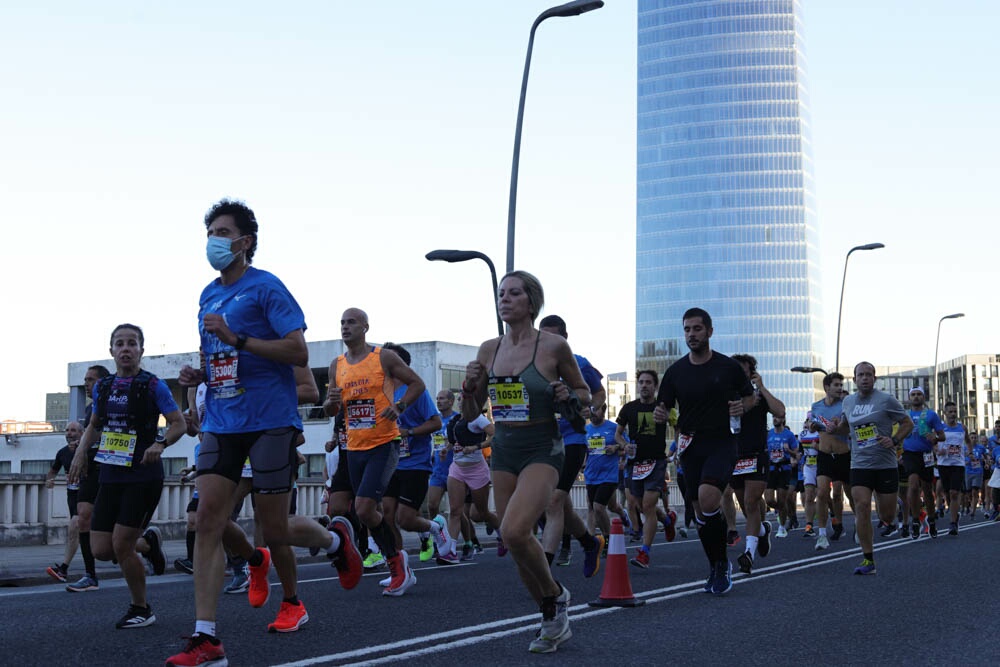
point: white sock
(334, 543)
(435, 528)
(205, 627)
(372, 547)
(752, 545)
(822, 532)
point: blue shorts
(439, 475)
(371, 469)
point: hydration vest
(142, 413)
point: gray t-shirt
(869, 418)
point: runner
(712, 393)
(951, 455)
(782, 448)
(361, 383)
(974, 477)
(833, 461)
(918, 460)
(520, 374)
(646, 450)
(441, 458)
(869, 415)
(87, 493)
(601, 471)
(127, 408)
(808, 440)
(63, 461)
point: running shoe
(441, 537)
(373, 561)
(200, 651)
(732, 538)
(953, 529)
(932, 529)
(838, 530)
(290, 618)
(385, 582)
(563, 558)
(402, 576)
(904, 530)
(260, 589)
(923, 521)
(240, 583)
(866, 567)
(822, 543)
(890, 530)
(468, 553)
(136, 617)
(809, 532)
(635, 537)
(184, 565)
(915, 530)
(764, 545)
(555, 628)
(156, 556)
(489, 529)
(57, 572)
(781, 531)
(477, 548)
(708, 582)
(86, 583)
(426, 549)
(682, 531)
(669, 526)
(450, 558)
(641, 559)
(745, 562)
(347, 558)
(592, 557)
(722, 582)
(501, 547)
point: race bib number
(438, 443)
(745, 466)
(777, 455)
(116, 448)
(223, 372)
(954, 450)
(361, 414)
(342, 440)
(72, 487)
(974, 464)
(510, 401)
(866, 435)
(928, 459)
(811, 460)
(247, 472)
(641, 470)
(683, 442)
(404, 448)
(595, 444)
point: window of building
(4, 467)
(35, 467)
(173, 465)
(313, 467)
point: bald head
(73, 432)
(353, 326)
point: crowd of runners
(527, 421)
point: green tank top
(520, 398)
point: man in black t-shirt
(647, 458)
(62, 461)
(711, 392)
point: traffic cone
(617, 588)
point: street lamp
(937, 394)
(569, 9)
(867, 246)
(463, 256)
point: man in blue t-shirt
(601, 471)
(441, 458)
(782, 447)
(919, 461)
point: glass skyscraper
(725, 210)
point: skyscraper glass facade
(725, 211)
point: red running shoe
(347, 559)
(200, 651)
(260, 588)
(669, 529)
(290, 618)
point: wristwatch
(241, 341)
(400, 406)
(160, 440)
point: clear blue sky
(366, 134)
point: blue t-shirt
(442, 453)
(996, 455)
(601, 468)
(593, 378)
(116, 419)
(776, 443)
(246, 392)
(925, 421)
(974, 461)
(677, 461)
(828, 413)
(415, 451)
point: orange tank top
(365, 393)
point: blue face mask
(219, 254)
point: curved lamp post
(569, 9)
(840, 312)
(937, 394)
(463, 256)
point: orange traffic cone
(617, 588)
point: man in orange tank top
(361, 383)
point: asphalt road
(932, 602)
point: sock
(205, 628)
(752, 545)
(586, 541)
(373, 546)
(644, 548)
(475, 541)
(713, 537)
(384, 538)
(822, 531)
(88, 555)
(870, 556)
(63, 567)
(426, 535)
(257, 559)
(294, 600)
(550, 557)
(469, 543)
(334, 543)
(190, 545)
